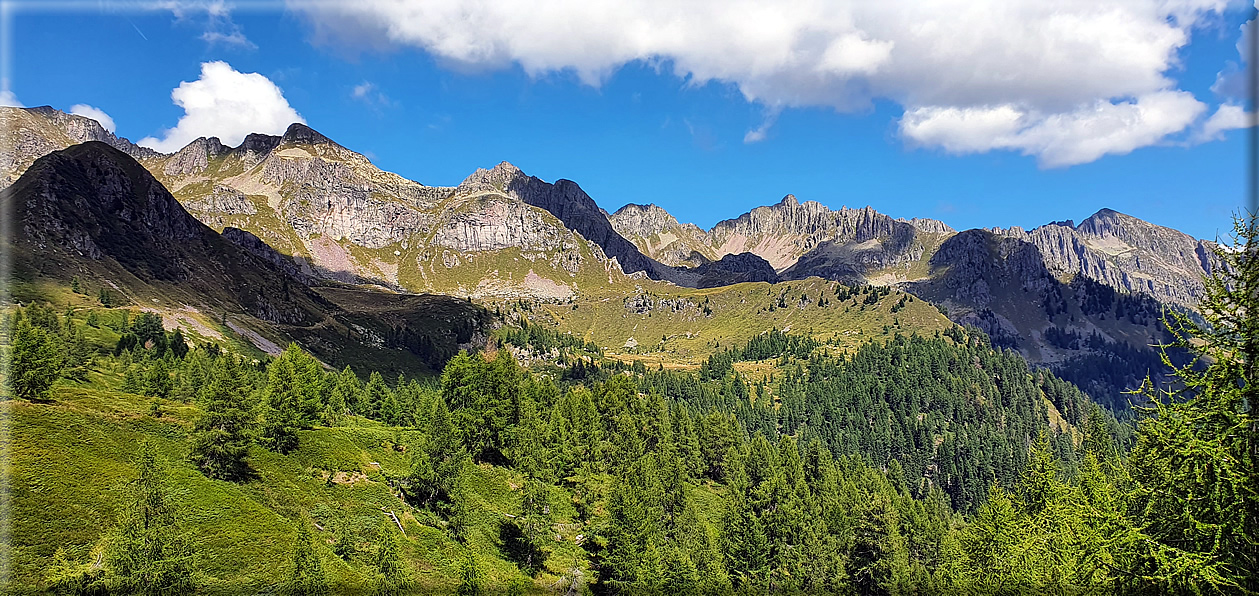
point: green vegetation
(913, 464)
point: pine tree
(157, 381)
(293, 397)
(390, 411)
(534, 524)
(437, 462)
(78, 354)
(131, 382)
(374, 396)
(225, 430)
(35, 363)
(307, 578)
(177, 345)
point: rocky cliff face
(798, 240)
(31, 133)
(1127, 254)
(333, 212)
(571, 205)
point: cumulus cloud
(1059, 139)
(97, 114)
(1228, 117)
(1053, 63)
(226, 104)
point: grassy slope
(739, 312)
(70, 459)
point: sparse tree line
(916, 465)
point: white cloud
(762, 131)
(97, 114)
(232, 38)
(1052, 61)
(1227, 117)
(226, 104)
(1060, 139)
(213, 16)
(368, 93)
(8, 99)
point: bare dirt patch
(343, 477)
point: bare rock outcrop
(1127, 254)
(31, 133)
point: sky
(980, 113)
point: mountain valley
(313, 372)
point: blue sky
(708, 115)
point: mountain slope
(92, 216)
(31, 133)
(340, 217)
(1127, 254)
(658, 235)
(1084, 299)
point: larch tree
(1194, 463)
(225, 430)
(35, 362)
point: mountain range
(323, 216)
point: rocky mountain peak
(500, 179)
(933, 226)
(259, 143)
(642, 220)
(505, 168)
(94, 199)
(1110, 222)
(194, 157)
(298, 133)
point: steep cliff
(1127, 254)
